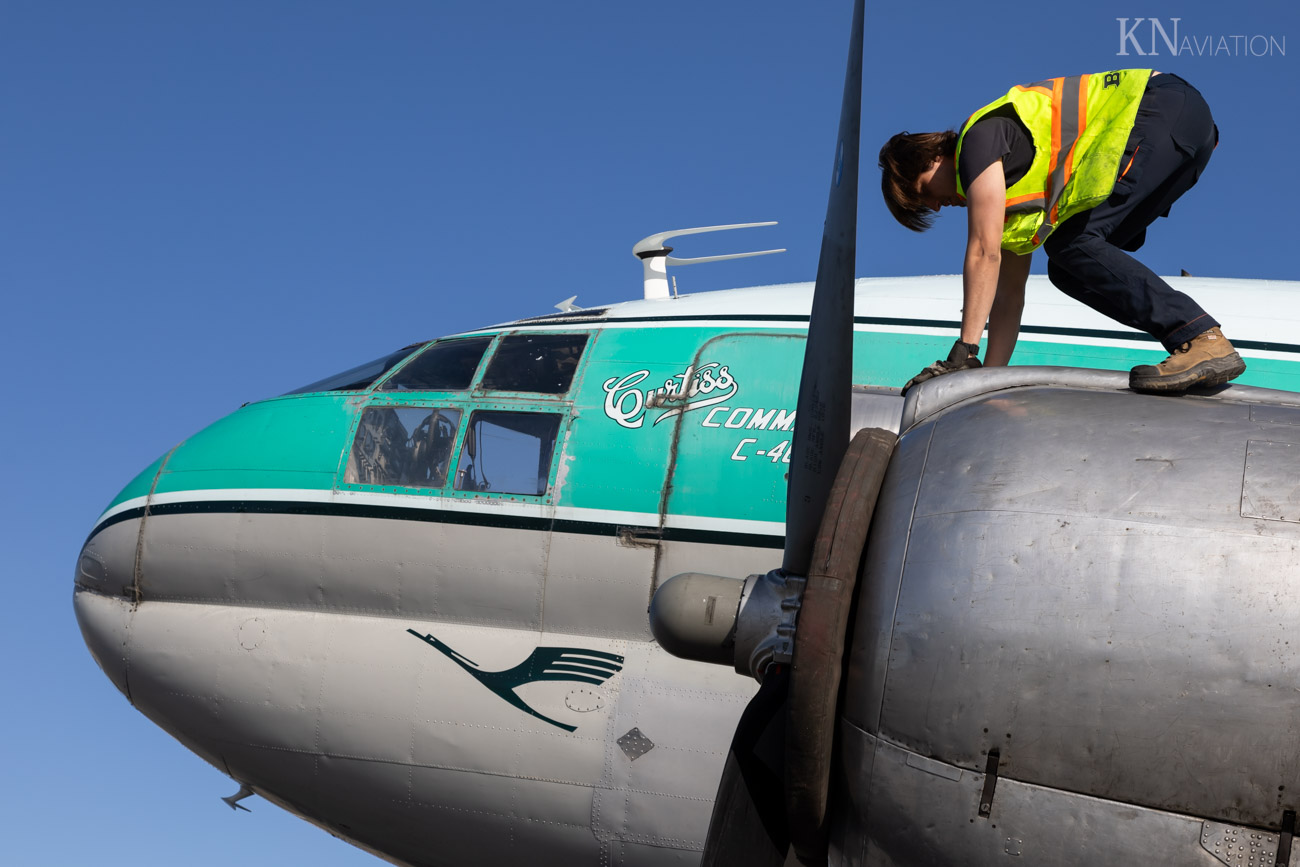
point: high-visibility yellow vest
(1079, 125)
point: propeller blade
(748, 824)
(821, 432)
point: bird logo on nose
(575, 664)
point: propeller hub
(746, 624)
(693, 616)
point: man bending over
(1079, 166)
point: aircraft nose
(103, 597)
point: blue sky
(204, 204)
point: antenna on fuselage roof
(655, 259)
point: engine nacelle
(1075, 636)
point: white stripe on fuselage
(1250, 310)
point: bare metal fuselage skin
(341, 715)
(1097, 588)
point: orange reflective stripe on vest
(1069, 116)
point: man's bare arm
(1004, 319)
(986, 211)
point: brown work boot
(1207, 360)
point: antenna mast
(655, 260)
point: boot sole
(1207, 374)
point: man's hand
(960, 357)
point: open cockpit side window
(536, 363)
(508, 452)
(448, 365)
(404, 446)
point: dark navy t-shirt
(999, 135)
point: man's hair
(903, 160)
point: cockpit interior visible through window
(448, 365)
(537, 363)
(406, 446)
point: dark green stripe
(1102, 333)
(1135, 336)
(441, 516)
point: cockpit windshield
(448, 365)
(540, 363)
(360, 377)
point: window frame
(377, 387)
(575, 382)
(561, 430)
(432, 406)
(468, 402)
(466, 407)
(431, 400)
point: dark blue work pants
(1168, 149)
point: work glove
(960, 357)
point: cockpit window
(541, 363)
(409, 446)
(360, 377)
(508, 452)
(448, 365)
